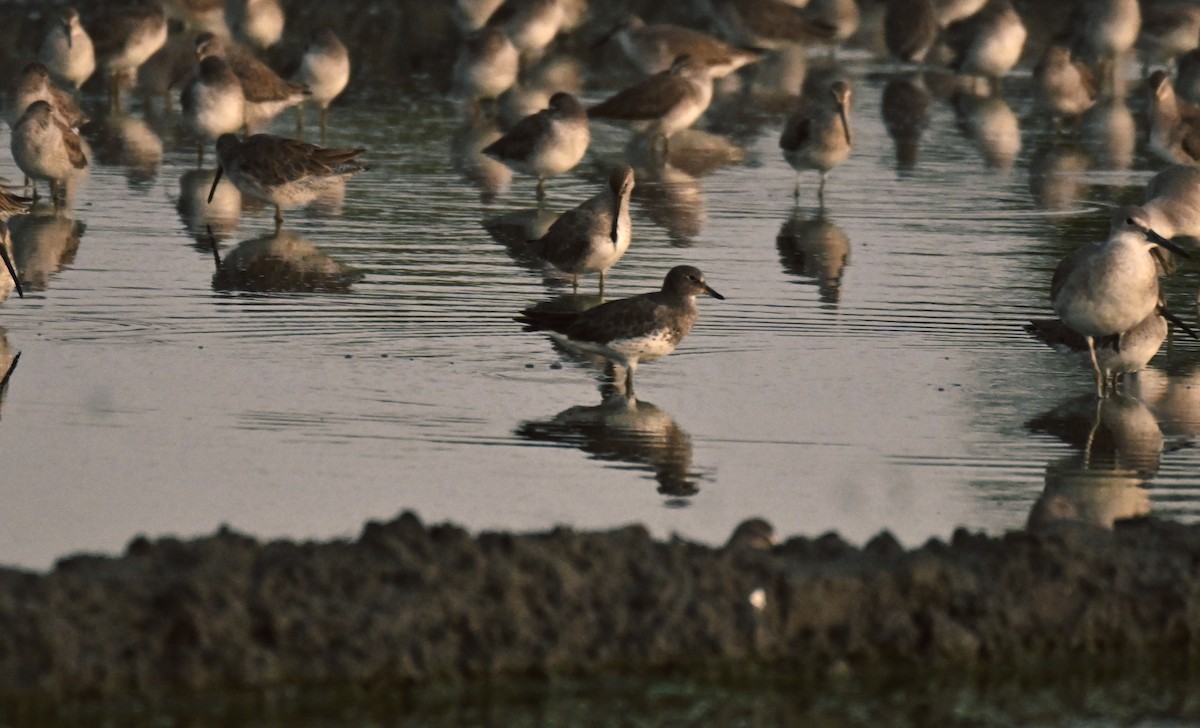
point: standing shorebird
(213, 103)
(770, 24)
(839, 18)
(1187, 78)
(35, 84)
(654, 48)
(1174, 124)
(124, 39)
(10, 205)
(910, 28)
(487, 65)
(45, 148)
(664, 103)
(67, 49)
(325, 70)
(629, 330)
(952, 11)
(1105, 30)
(1106, 289)
(592, 237)
(1173, 202)
(471, 15)
(547, 143)
(1169, 30)
(1062, 85)
(818, 135)
(989, 43)
(283, 172)
(266, 93)
(257, 22)
(533, 25)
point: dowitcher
(1106, 289)
(213, 103)
(629, 330)
(1174, 124)
(124, 38)
(664, 103)
(817, 136)
(283, 172)
(547, 143)
(266, 93)
(988, 43)
(11, 205)
(592, 237)
(35, 84)
(67, 49)
(653, 48)
(325, 70)
(45, 148)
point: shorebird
(817, 136)
(124, 38)
(664, 103)
(487, 65)
(1173, 202)
(35, 84)
(282, 172)
(766, 23)
(199, 15)
(266, 93)
(839, 19)
(213, 103)
(45, 148)
(1174, 124)
(471, 15)
(532, 25)
(1106, 289)
(1106, 30)
(989, 42)
(1187, 77)
(1115, 355)
(653, 48)
(257, 22)
(547, 143)
(629, 330)
(11, 205)
(910, 28)
(325, 70)
(67, 49)
(1062, 85)
(1169, 30)
(592, 237)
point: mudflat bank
(408, 604)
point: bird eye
(1129, 221)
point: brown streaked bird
(547, 143)
(817, 136)
(1106, 289)
(592, 237)
(10, 206)
(266, 93)
(284, 172)
(988, 43)
(124, 38)
(629, 330)
(910, 28)
(34, 83)
(1174, 124)
(653, 48)
(664, 103)
(1062, 85)
(45, 148)
(766, 23)
(67, 49)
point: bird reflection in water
(514, 230)
(477, 131)
(282, 261)
(127, 141)
(1057, 176)
(1109, 133)
(1120, 445)
(1173, 396)
(43, 244)
(992, 125)
(906, 103)
(625, 430)
(814, 249)
(202, 219)
(8, 365)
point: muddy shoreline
(407, 604)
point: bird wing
(113, 31)
(650, 99)
(797, 131)
(568, 237)
(635, 315)
(259, 82)
(280, 160)
(519, 142)
(775, 19)
(73, 144)
(1065, 266)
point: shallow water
(868, 370)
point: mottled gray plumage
(592, 237)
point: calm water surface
(867, 371)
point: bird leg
(541, 189)
(601, 285)
(200, 154)
(574, 283)
(278, 218)
(821, 191)
(796, 191)
(1100, 378)
(629, 382)
(300, 119)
